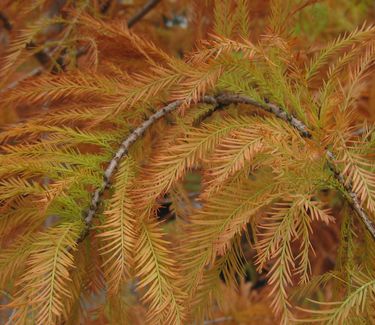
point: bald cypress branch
(219, 101)
(120, 153)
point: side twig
(218, 320)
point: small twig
(218, 320)
(33, 72)
(141, 13)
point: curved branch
(269, 107)
(219, 101)
(121, 152)
(351, 196)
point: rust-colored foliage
(187, 162)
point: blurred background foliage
(43, 36)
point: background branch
(6, 23)
(143, 12)
(81, 51)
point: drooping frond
(16, 186)
(158, 275)
(357, 76)
(12, 259)
(218, 46)
(332, 94)
(170, 163)
(359, 35)
(224, 216)
(357, 302)
(70, 116)
(310, 212)
(360, 172)
(239, 147)
(276, 243)
(196, 83)
(19, 215)
(242, 146)
(45, 285)
(146, 86)
(209, 290)
(137, 91)
(245, 85)
(287, 222)
(118, 31)
(75, 86)
(117, 232)
(92, 270)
